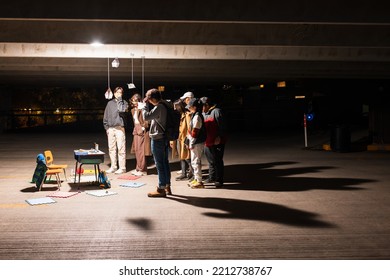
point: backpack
(171, 129)
(105, 182)
(202, 132)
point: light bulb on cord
(115, 63)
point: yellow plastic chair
(50, 172)
(50, 163)
(42, 171)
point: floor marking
(17, 205)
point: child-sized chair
(50, 163)
(41, 172)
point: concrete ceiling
(180, 45)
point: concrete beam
(209, 52)
(72, 31)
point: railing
(28, 118)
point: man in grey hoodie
(115, 127)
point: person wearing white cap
(187, 97)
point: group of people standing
(202, 130)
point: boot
(168, 190)
(158, 193)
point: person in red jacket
(215, 141)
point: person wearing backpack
(215, 141)
(159, 142)
(197, 137)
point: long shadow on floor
(253, 210)
(271, 177)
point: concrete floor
(280, 201)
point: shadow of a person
(292, 179)
(253, 210)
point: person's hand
(217, 140)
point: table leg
(98, 168)
(75, 172)
(96, 174)
(80, 172)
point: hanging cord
(132, 68)
(108, 93)
(108, 73)
(143, 78)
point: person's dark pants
(160, 154)
(214, 155)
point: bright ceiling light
(96, 44)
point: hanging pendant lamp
(115, 63)
(132, 85)
(108, 93)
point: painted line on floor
(17, 205)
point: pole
(305, 129)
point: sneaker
(197, 185)
(181, 178)
(111, 170)
(179, 172)
(140, 173)
(209, 180)
(158, 193)
(192, 182)
(133, 172)
(120, 171)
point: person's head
(153, 96)
(179, 106)
(187, 97)
(207, 103)
(135, 99)
(118, 92)
(194, 105)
